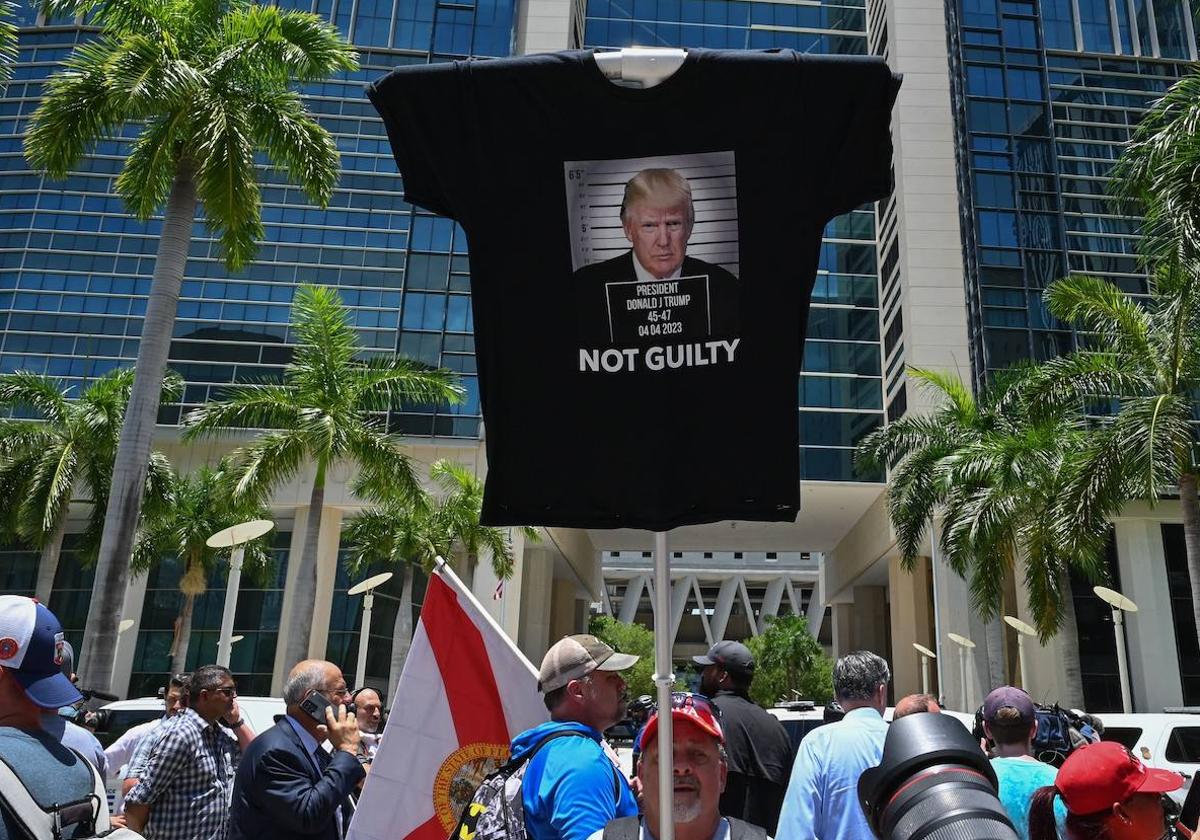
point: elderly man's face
(659, 234)
(370, 710)
(699, 775)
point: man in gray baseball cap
(571, 788)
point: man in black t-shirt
(657, 217)
(760, 752)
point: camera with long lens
(933, 783)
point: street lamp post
(234, 537)
(367, 589)
(1023, 629)
(964, 645)
(1120, 605)
(926, 655)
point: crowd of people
(201, 773)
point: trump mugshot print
(654, 254)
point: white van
(1170, 741)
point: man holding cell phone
(288, 785)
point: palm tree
(414, 533)
(1144, 355)
(211, 86)
(1156, 173)
(991, 467)
(8, 41)
(327, 410)
(68, 450)
(200, 505)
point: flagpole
(443, 570)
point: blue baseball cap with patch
(32, 650)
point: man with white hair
(700, 769)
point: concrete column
(1043, 663)
(724, 607)
(295, 547)
(750, 620)
(844, 622)
(957, 617)
(135, 598)
(563, 612)
(911, 621)
(816, 608)
(633, 597)
(510, 605)
(1150, 632)
(772, 598)
(534, 630)
(871, 618)
(708, 636)
(327, 554)
(681, 588)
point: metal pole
(360, 673)
(1122, 664)
(224, 645)
(1021, 657)
(924, 674)
(665, 680)
(962, 668)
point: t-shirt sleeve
(852, 98)
(427, 112)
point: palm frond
(23, 389)
(226, 181)
(245, 406)
(267, 462)
(1098, 306)
(296, 143)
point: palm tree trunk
(183, 635)
(48, 560)
(402, 631)
(1069, 636)
(1191, 537)
(137, 436)
(303, 602)
(993, 640)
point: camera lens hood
(913, 743)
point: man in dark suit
(287, 785)
(657, 217)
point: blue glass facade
(75, 269)
(1046, 94)
(841, 390)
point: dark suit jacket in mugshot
(592, 301)
(279, 794)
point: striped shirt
(188, 781)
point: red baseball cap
(695, 708)
(1097, 776)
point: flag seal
(460, 775)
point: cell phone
(315, 704)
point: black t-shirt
(639, 368)
(760, 761)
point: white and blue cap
(31, 650)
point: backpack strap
(40, 823)
(624, 828)
(741, 830)
(513, 764)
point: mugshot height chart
(641, 264)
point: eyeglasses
(228, 691)
(337, 691)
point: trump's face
(659, 233)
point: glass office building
(75, 269)
(841, 391)
(1046, 93)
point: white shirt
(645, 276)
(120, 751)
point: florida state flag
(464, 693)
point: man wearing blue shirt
(822, 797)
(571, 788)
